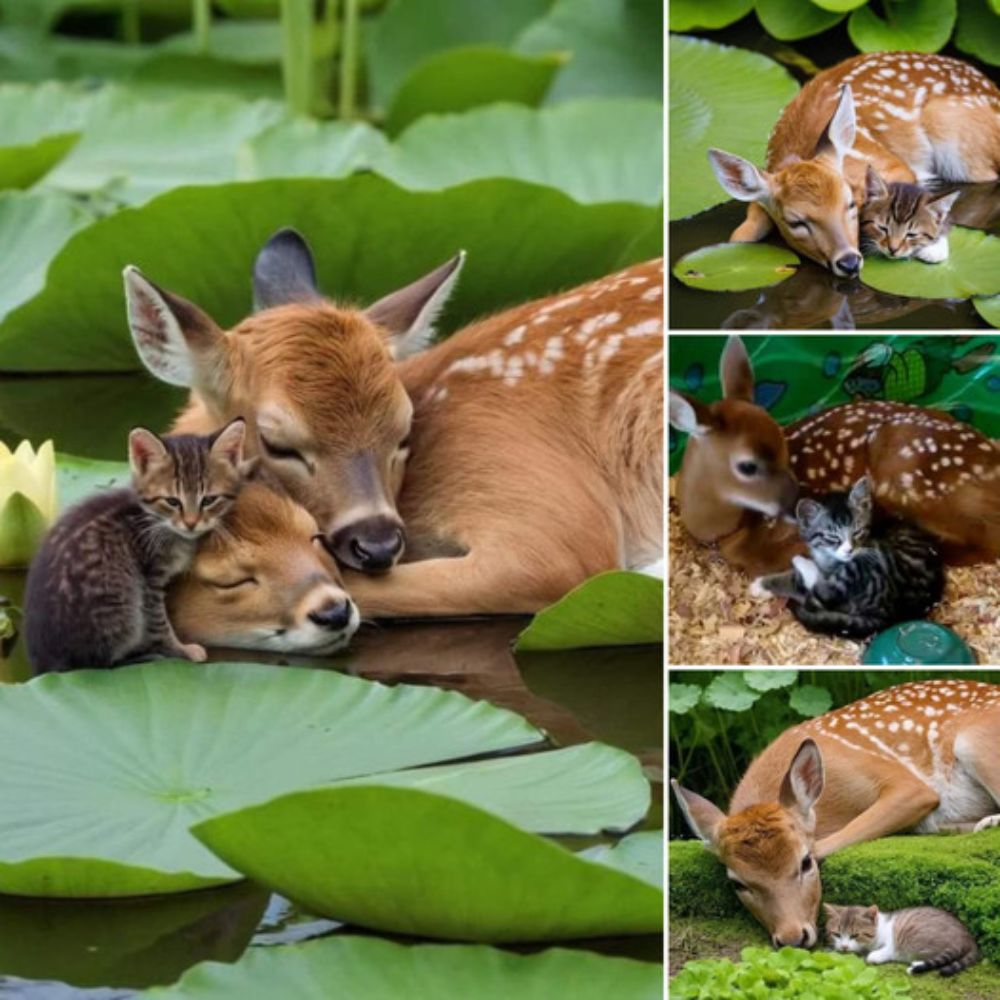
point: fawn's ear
(144, 448)
(284, 272)
(838, 136)
(739, 177)
(803, 781)
(735, 371)
(701, 816)
(176, 340)
(408, 314)
(689, 415)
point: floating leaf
(770, 680)
(734, 267)
(640, 854)
(688, 14)
(707, 110)
(616, 47)
(978, 30)
(78, 478)
(104, 771)
(989, 308)
(972, 268)
(681, 698)
(459, 873)
(839, 6)
(368, 968)
(810, 700)
(465, 78)
(730, 691)
(790, 20)
(554, 146)
(370, 237)
(618, 608)
(254, 42)
(914, 26)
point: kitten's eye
(276, 451)
(221, 585)
(747, 468)
(882, 229)
(209, 501)
(807, 864)
(173, 502)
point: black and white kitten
(860, 579)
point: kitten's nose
(848, 264)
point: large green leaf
(357, 968)
(790, 20)
(407, 33)
(618, 608)
(104, 771)
(33, 227)
(40, 125)
(640, 854)
(304, 147)
(77, 478)
(459, 873)
(688, 14)
(734, 267)
(465, 78)
(839, 6)
(555, 146)
(254, 42)
(972, 268)
(135, 148)
(616, 46)
(719, 97)
(916, 25)
(178, 75)
(988, 307)
(524, 241)
(978, 31)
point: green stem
(131, 32)
(296, 54)
(349, 60)
(201, 16)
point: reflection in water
(612, 695)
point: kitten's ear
(806, 512)
(228, 443)
(875, 188)
(690, 415)
(940, 206)
(831, 911)
(144, 448)
(702, 816)
(872, 912)
(284, 272)
(174, 338)
(859, 500)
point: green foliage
(791, 973)
(916, 25)
(735, 267)
(810, 700)
(688, 14)
(978, 32)
(789, 20)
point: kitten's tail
(948, 963)
(832, 622)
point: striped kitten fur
(905, 220)
(96, 589)
(861, 578)
(922, 936)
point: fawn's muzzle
(371, 545)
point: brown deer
(536, 434)
(912, 116)
(741, 473)
(922, 757)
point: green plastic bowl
(917, 644)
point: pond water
(813, 297)
(61, 950)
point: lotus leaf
(618, 608)
(371, 969)
(370, 237)
(734, 267)
(707, 111)
(688, 14)
(77, 478)
(460, 873)
(989, 308)
(790, 20)
(917, 25)
(105, 771)
(972, 268)
(978, 31)
(640, 854)
(553, 146)
(839, 6)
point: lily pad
(640, 854)
(790, 20)
(618, 608)
(972, 268)
(254, 42)
(467, 77)
(707, 110)
(734, 267)
(839, 6)
(77, 478)
(688, 14)
(524, 241)
(989, 308)
(105, 771)
(681, 698)
(372, 969)
(914, 26)
(554, 146)
(460, 873)
(978, 30)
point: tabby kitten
(860, 579)
(905, 220)
(924, 937)
(95, 591)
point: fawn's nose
(799, 937)
(848, 264)
(334, 616)
(370, 545)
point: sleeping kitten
(859, 580)
(922, 936)
(905, 220)
(95, 591)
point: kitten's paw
(915, 968)
(807, 570)
(758, 590)
(194, 652)
(934, 253)
(987, 823)
(878, 957)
